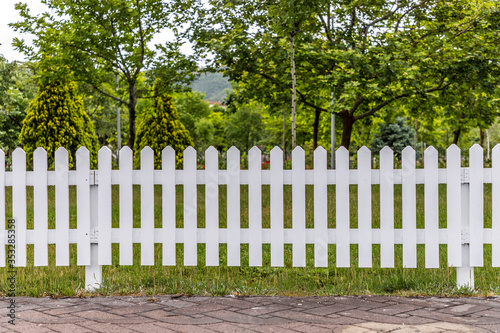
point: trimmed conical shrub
(162, 128)
(56, 118)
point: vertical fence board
(2, 208)
(277, 232)
(431, 208)
(320, 209)
(453, 198)
(299, 207)
(83, 206)
(212, 206)
(342, 208)
(104, 206)
(62, 207)
(168, 206)
(190, 208)
(255, 207)
(233, 208)
(126, 206)
(387, 208)
(365, 207)
(19, 204)
(40, 207)
(409, 209)
(147, 207)
(495, 206)
(476, 205)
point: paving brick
(307, 317)
(36, 317)
(396, 309)
(26, 327)
(98, 315)
(329, 309)
(380, 318)
(264, 309)
(188, 320)
(234, 317)
(192, 310)
(184, 328)
(67, 328)
(148, 328)
(106, 327)
(225, 327)
(465, 309)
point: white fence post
(93, 272)
(465, 273)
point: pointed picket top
(233, 149)
(125, 150)
(276, 150)
(276, 158)
(496, 148)
(298, 150)
(408, 150)
(453, 148)
(18, 152)
(342, 150)
(320, 161)
(254, 158)
(168, 158)
(298, 158)
(2, 152)
(431, 156)
(364, 150)
(82, 150)
(254, 150)
(146, 151)
(430, 150)
(319, 148)
(39, 156)
(104, 150)
(364, 156)
(168, 150)
(211, 150)
(476, 150)
(386, 151)
(40, 150)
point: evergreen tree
(162, 128)
(56, 118)
(397, 136)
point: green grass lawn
(245, 280)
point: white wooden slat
(233, 208)
(343, 247)
(365, 207)
(40, 207)
(62, 207)
(104, 206)
(19, 204)
(147, 207)
(2, 209)
(431, 208)
(168, 206)
(409, 209)
(299, 207)
(126, 206)
(453, 200)
(212, 206)
(190, 208)
(495, 206)
(255, 207)
(387, 207)
(83, 205)
(320, 209)
(476, 205)
(277, 232)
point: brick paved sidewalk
(253, 314)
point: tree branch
(119, 100)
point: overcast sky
(8, 14)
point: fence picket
(320, 209)
(454, 196)
(255, 207)
(126, 206)
(2, 209)
(147, 207)
(365, 207)
(83, 206)
(409, 209)
(190, 208)
(212, 206)
(476, 205)
(277, 232)
(342, 208)
(233, 208)
(104, 206)
(168, 206)
(299, 207)
(431, 208)
(40, 207)
(19, 204)
(495, 207)
(387, 207)
(62, 207)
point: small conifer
(56, 118)
(162, 128)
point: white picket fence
(464, 236)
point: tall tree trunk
(131, 115)
(317, 114)
(481, 137)
(456, 136)
(294, 90)
(283, 139)
(347, 123)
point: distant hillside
(214, 85)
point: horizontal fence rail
(464, 235)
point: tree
(245, 127)
(56, 118)
(98, 40)
(162, 128)
(371, 53)
(396, 136)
